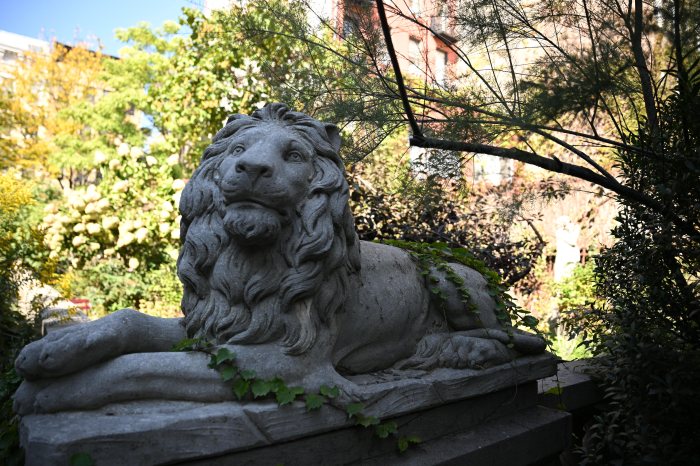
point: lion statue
(272, 267)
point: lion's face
(267, 235)
(264, 176)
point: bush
(22, 257)
(648, 332)
(119, 236)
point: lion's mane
(284, 291)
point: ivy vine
(429, 256)
(245, 385)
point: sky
(71, 21)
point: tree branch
(557, 166)
(386, 30)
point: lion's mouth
(256, 204)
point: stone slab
(355, 444)
(518, 439)
(160, 432)
(571, 388)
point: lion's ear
(235, 116)
(333, 136)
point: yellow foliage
(35, 93)
(15, 195)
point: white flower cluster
(133, 208)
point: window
(415, 7)
(415, 57)
(493, 170)
(350, 27)
(440, 67)
(9, 55)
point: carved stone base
(462, 416)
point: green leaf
(329, 392)
(187, 344)
(385, 428)
(557, 390)
(261, 388)
(223, 355)
(240, 388)
(530, 321)
(405, 442)
(276, 384)
(286, 395)
(81, 459)
(354, 408)
(248, 374)
(314, 401)
(366, 421)
(227, 373)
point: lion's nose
(254, 169)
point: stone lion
(271, 266)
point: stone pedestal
(487, 417)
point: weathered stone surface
(572, 388)
(435, 404)
(517, 439)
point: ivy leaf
(248, 374)
(81, 459)
(405, 442)
(240, 388)
(286, 395)
(261, 388)
(223, 355)
(385, 428)
(354, 408)
(557, 390)
(314, 401)
(530, 321)
(366, 421)
(227, 373)
(329, 392)
(276, 385)
(187, 344)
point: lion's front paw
(456, 351)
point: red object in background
(82, 303)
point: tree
(36, 131)
(117, 232)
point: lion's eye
(294, 156)
(237, 150)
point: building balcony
(441, 27)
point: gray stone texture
(445, 402)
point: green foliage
(120, 237)
(22, 258)
(81, 459)
(245, 385)
(648, 332)
(438, 255)
(390, 203)
(577, 290)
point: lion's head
(268, 238)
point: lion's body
(389, 309)
(270, 255)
